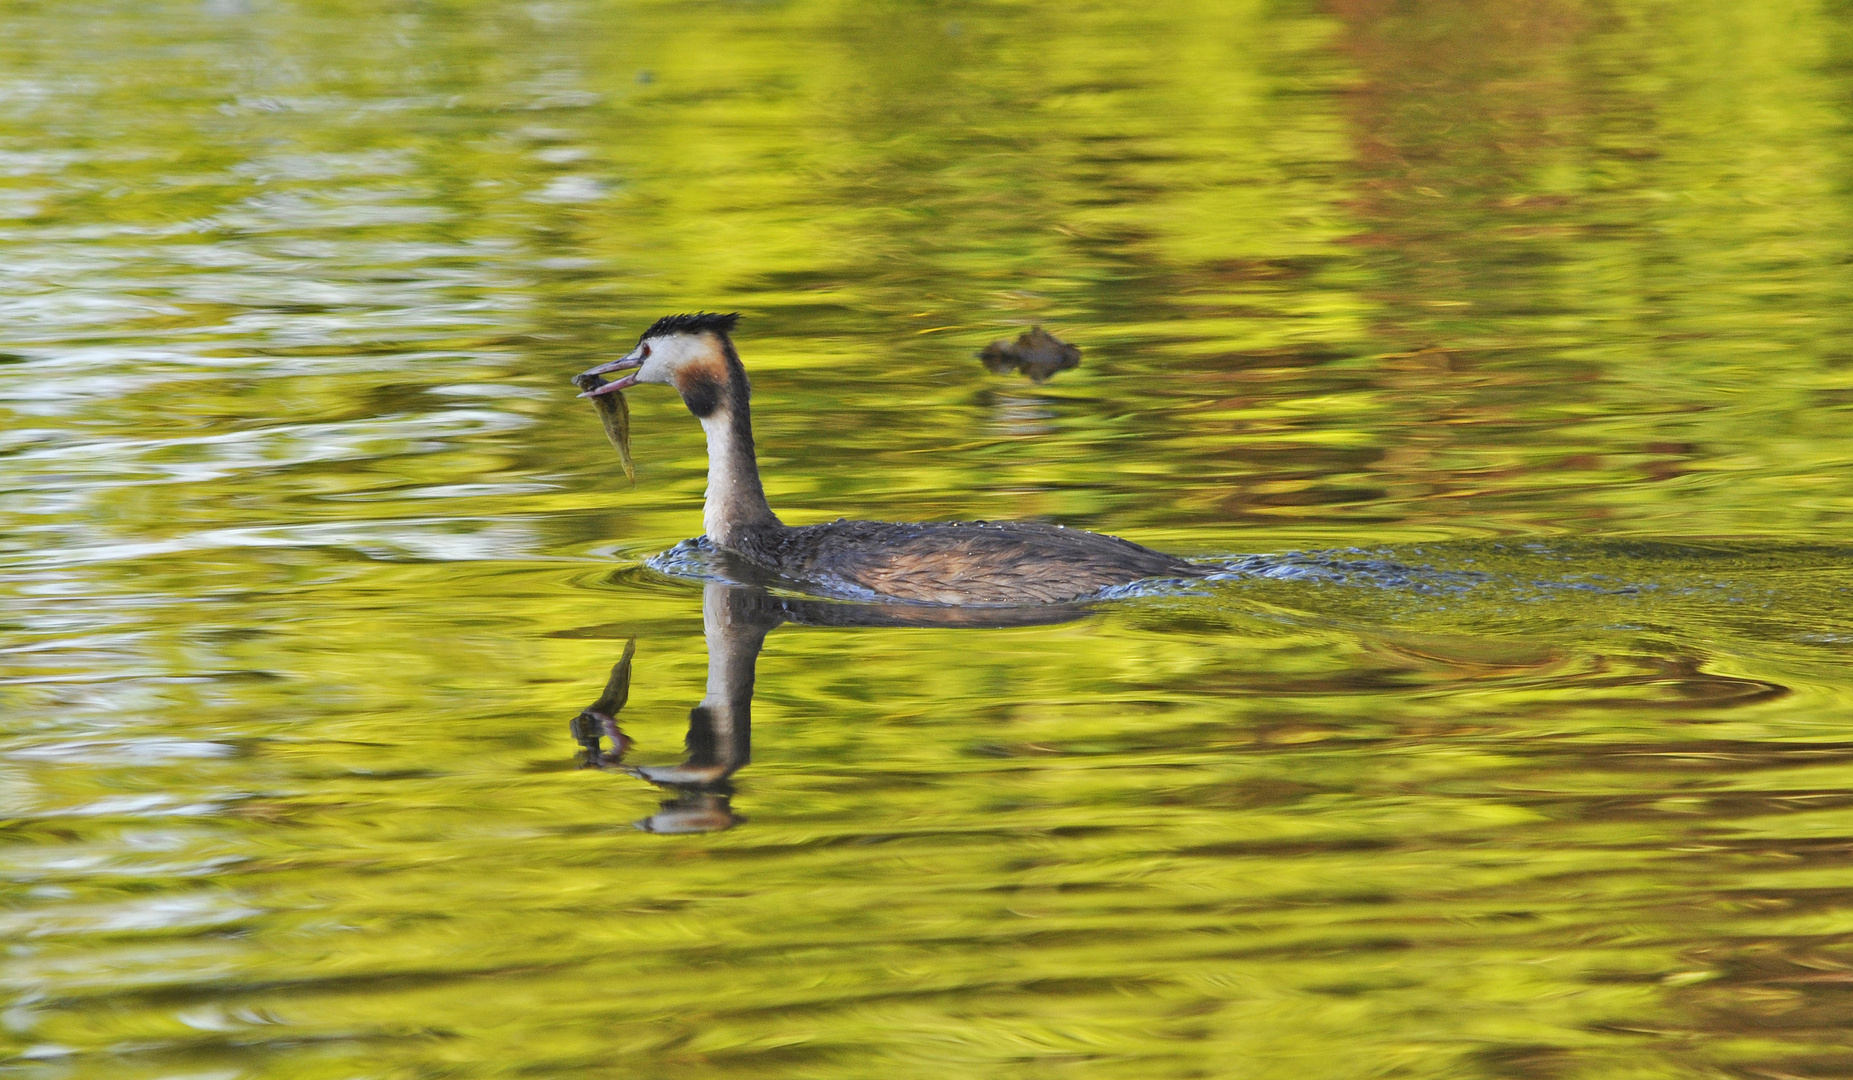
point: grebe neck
(736, 501)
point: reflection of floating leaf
(1036, 353)
(615, 414)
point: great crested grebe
(979, 563)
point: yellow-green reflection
(307, 551)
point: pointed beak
(629, 363)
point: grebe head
(689, 352)
(694, 354)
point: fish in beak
(613, 412)
(598, 385)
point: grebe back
(980, 563)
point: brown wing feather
(985, 563)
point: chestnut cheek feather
(702, 395)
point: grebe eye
(643, 351)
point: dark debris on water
(1036, 353)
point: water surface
(1498, 351)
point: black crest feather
(698, 323)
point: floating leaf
(1037, 353)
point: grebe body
(978, 563)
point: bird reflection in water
(735, 620)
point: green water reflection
(1501, 349)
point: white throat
(723, 481)
(734, 498)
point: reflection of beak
(626, 364)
